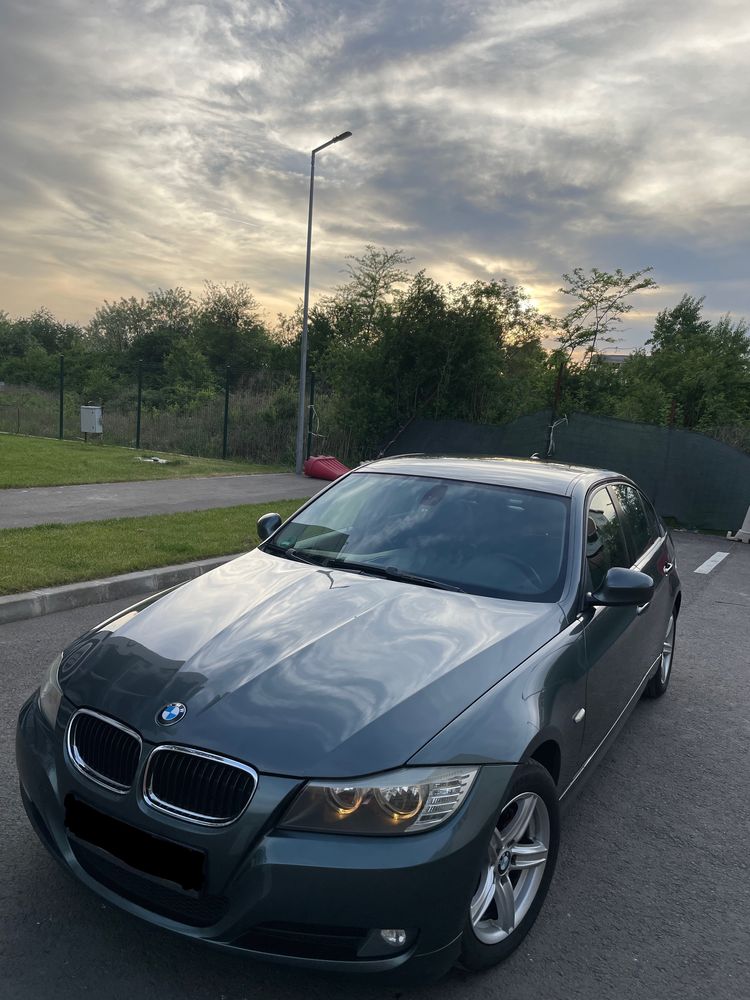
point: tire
(513, 871)
(659, 683)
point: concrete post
(743, 535)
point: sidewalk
(97, 502)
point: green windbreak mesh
(700, 482)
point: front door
(616, 646)
(650, 554)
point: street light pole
(305, 309)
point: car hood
(305, 671)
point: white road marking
(712, 563)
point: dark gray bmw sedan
(348, 748)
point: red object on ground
(324, 467)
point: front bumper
(304, 898)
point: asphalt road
(651, 898)
(98, 501)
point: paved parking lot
(651, 898)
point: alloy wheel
(667, 650)
(516, 858)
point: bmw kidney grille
(200, 787)
(104, 750)
(191, 784)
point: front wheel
(516, 872)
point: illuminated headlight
(406, 801)
(50, 693)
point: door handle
(643, 607)
(668, 567)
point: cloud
(149, 144)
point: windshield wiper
(370, 569)
(391, 573)
(293, 553)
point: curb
(17, 607)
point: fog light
(395, 938)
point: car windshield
(496, 541)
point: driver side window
(605, 543)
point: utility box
(91, 420)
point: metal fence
(695, 478)
(251, 416)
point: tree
(602, 302)
(186, 373)
(358, 310)
(469, 352)
(703, 367)
(15, 339)
(372, 279)
(54, 337)
(29, 349)
(229, 329)
(466, 351)
(168, 324)
(116, 325)
(145, 332)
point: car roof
(528, 474)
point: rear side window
(605, 543)
(642, 530)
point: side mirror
(267, 525)
(621, 587)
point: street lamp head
(336, 138)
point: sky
(146, 144)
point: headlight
(50, 693)
(406, 801)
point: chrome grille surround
(222, 765)
(79, 762)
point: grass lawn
(53, 554)
(30, 461)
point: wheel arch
(548, 754)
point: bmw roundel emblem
(171, 713)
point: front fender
(533, 703)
